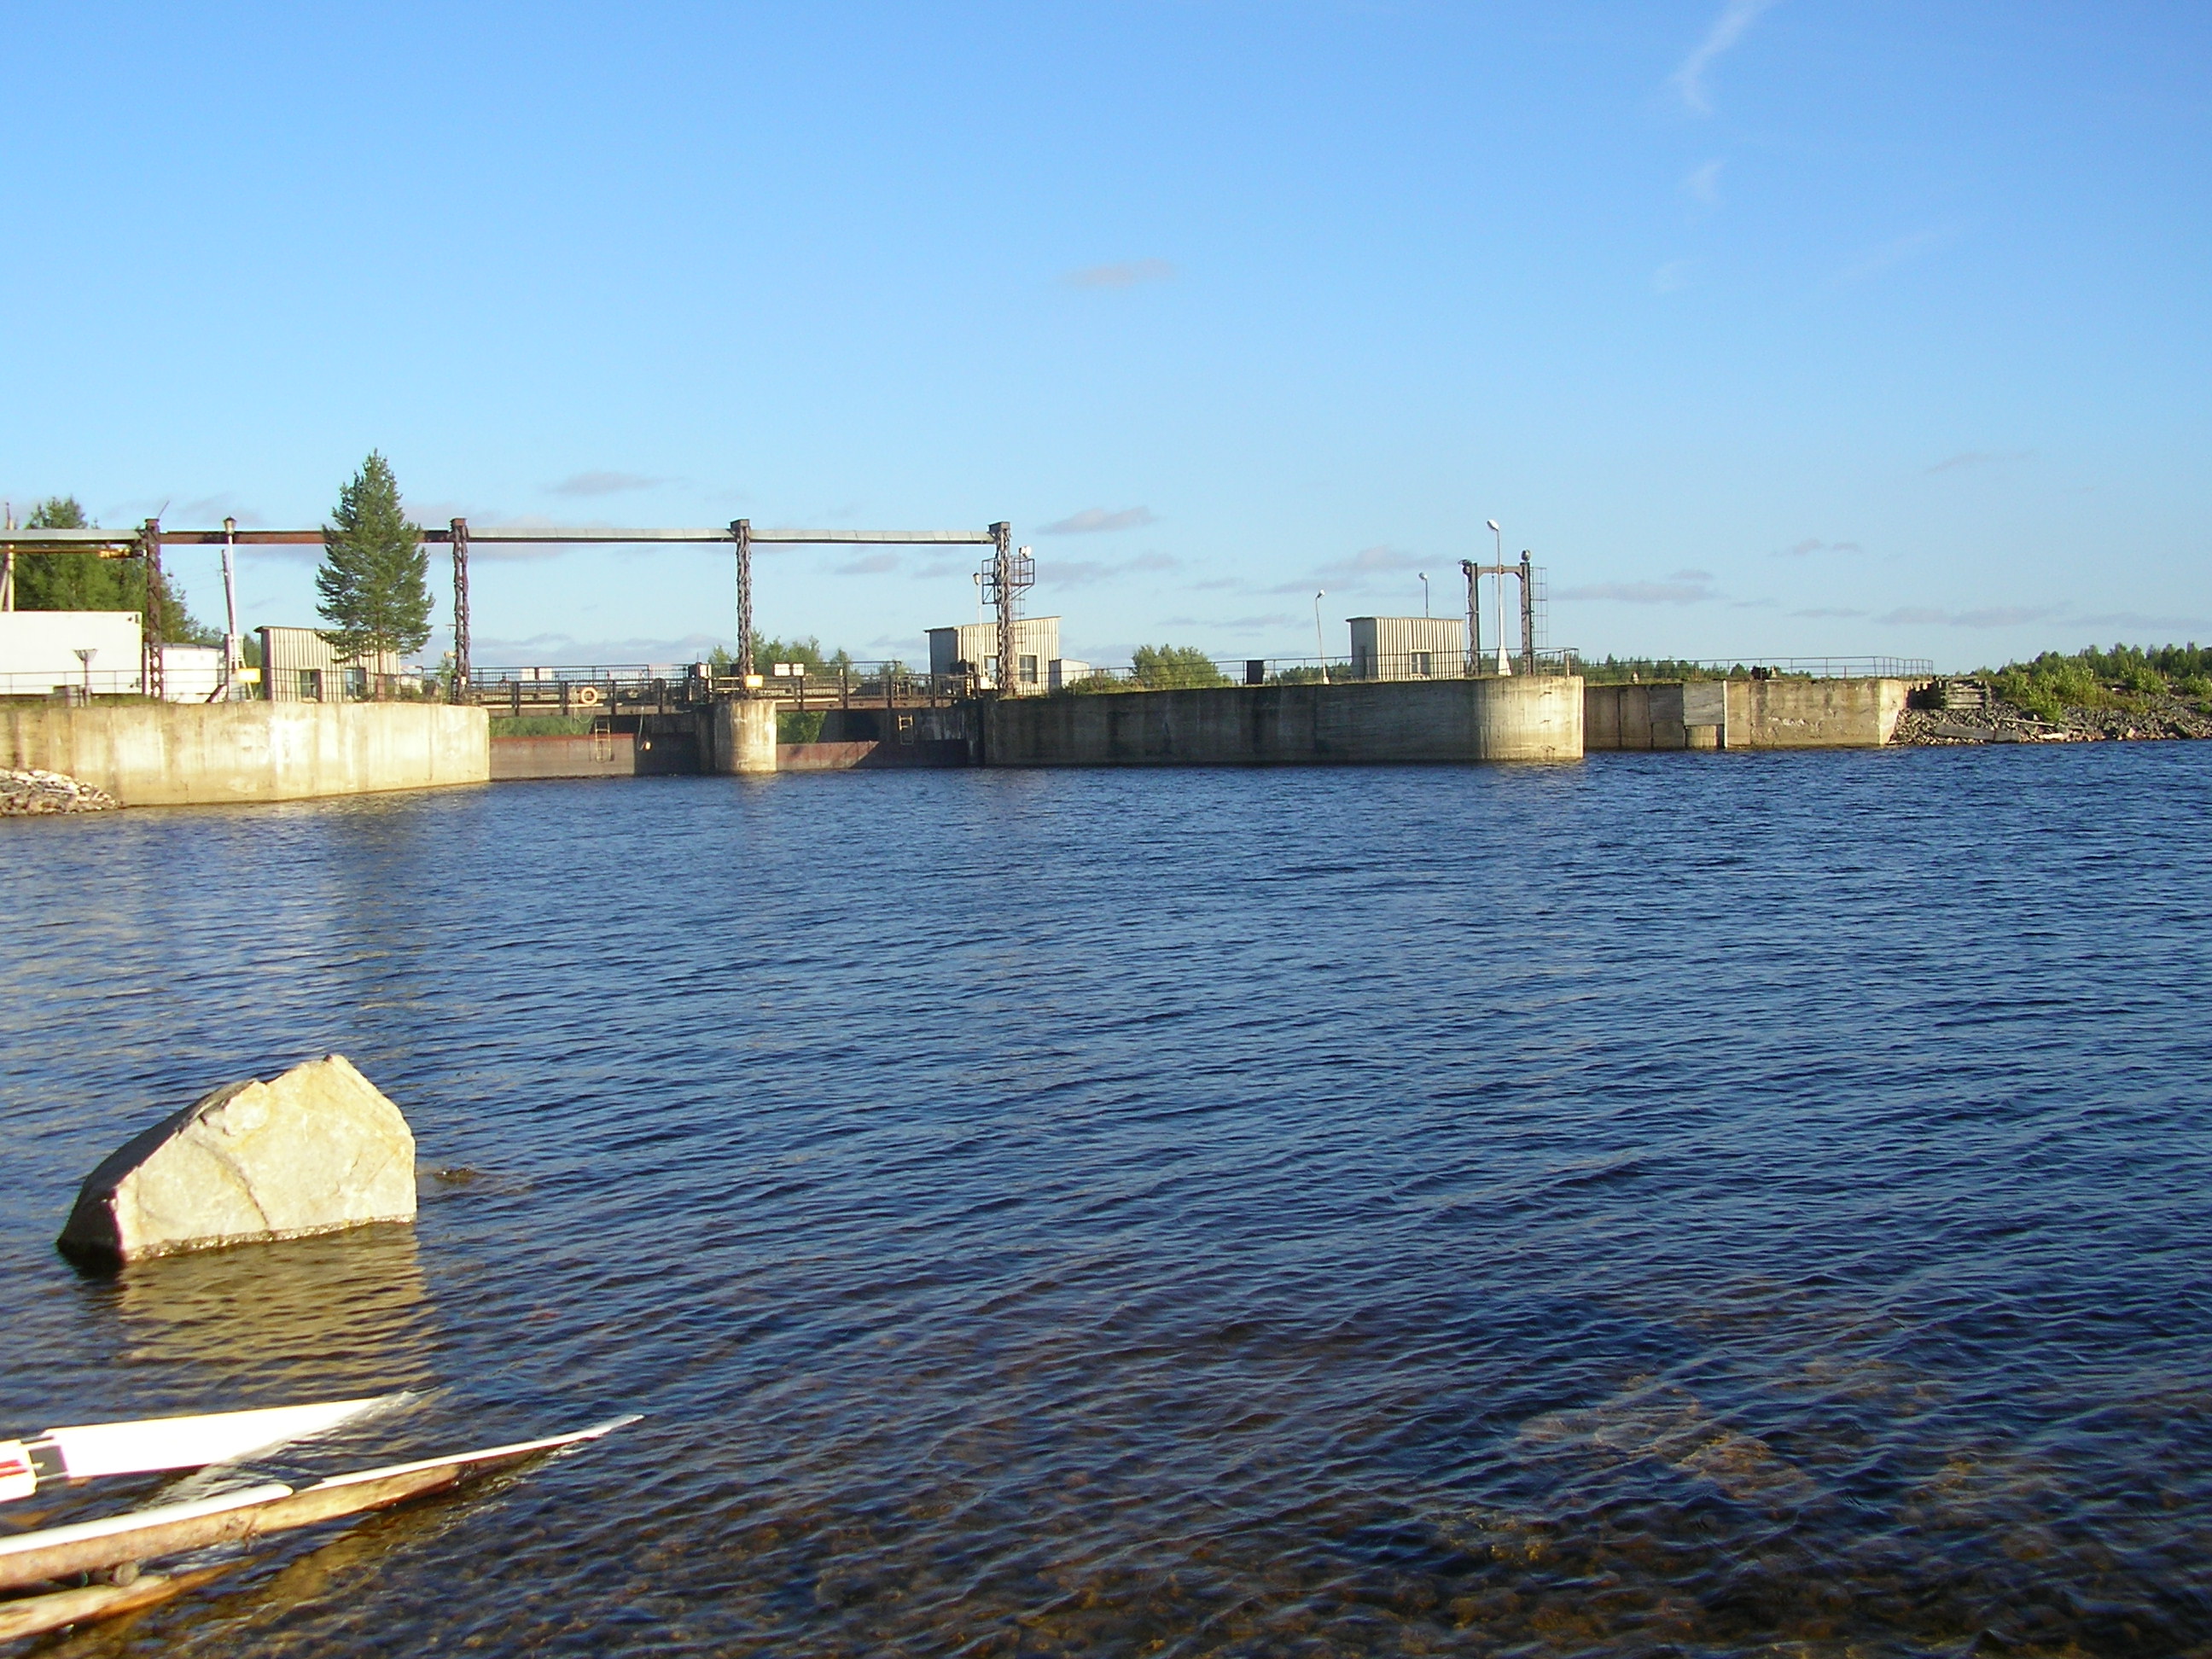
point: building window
(311, 685)
(991, 669)
(356, 683)
(1423, 663)
(1028, 670)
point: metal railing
(600, 688)
(1760, 668)
(1184, 673)
(105, 683)
(628, 688)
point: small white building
(192, 673)
(1036, 642)
(1408, 647)
(39, 656)
(298, 666)
(38, 651)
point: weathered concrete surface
(1531, 719)
(1777, 714)
(199, 754)
(613, 755)
(1633, 717)
(317, 1150)
(742, 737)
(1814, 714)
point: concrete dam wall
(1532, 719)
(1777, 714)
(202, 754)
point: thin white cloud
(1828, 611)
(1704, 186)
(1234, 624)
(1968, 460)
(602, 483)
(1999, 615)
(1093, 519)
(1683, 587)
(1673, 276)
(1736, 16)
(212, 510)
(1813, 544)
(1357, 571)
(1126, 274)
(1084, 572)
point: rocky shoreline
(29, 793)
(2158, 717)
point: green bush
(2048, 686)
(799, 725)
(1174, 668)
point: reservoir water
(1717, 1205)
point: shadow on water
(331, 1316)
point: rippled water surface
(1725, 1204)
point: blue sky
(1789, 328)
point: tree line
(372, 585)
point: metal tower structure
(1009, 573)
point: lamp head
(1493, 523)
(230, 527)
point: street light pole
(1321, 644)
(1504, 667)
(1423, 575)
(229, 609)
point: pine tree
(82, 581)
(373, 578)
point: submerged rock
(317, 1150)
(23, 793)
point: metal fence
(608, 688)
(1760, 668)
(584, 688)
(1181, 674)
(105, 683)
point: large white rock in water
(317, 1150)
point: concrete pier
(200, 754)
(1447, 720)
(741, 737)
(1743, 714)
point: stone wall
(1536, 718)
(200, 754)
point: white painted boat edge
(519, 1448)
(135, 1520)
(194, 1441)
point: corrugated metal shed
(298, 665)
(1408, 647)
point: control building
(973, 648)
(1408, 647)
